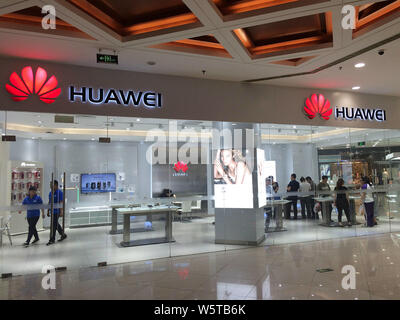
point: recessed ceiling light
(127, 129)
(64, 138)
(356, 88)
(137, 119)
(359, 65)
(93, 139)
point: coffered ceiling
(286, 42)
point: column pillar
(238, 218)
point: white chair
(5, 228)
(186, 208)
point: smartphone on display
(108, 184)
(87, 185)
(98, 185)
(93, 185)
(104, 185)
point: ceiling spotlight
(294, 127)
(64, 139)
(127, 129)
(356, 88)
(359, 65)
(137, 119)
(93, 139)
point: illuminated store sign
(30, 83)
(100, 96)
(22, 88)
(360, 113)
(318, 105)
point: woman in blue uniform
(32, 215)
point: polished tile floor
(87, 247)
(286, 271)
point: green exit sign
(107, 58)
(361, 144)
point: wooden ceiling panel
(30, 19)
(139, 17)
(287, 36)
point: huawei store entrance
(146, 182)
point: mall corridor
(271, 272)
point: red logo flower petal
(17, 82)
(40, 78)
(317, 104)
(20, 89)
(27, 76)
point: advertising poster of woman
(233, 183)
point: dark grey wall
(194, 183)
(194, 99)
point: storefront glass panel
(217, 178)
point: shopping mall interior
(173, 128)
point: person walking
(32, 215)
(305, 188)
(342, 202)
(58, 197)
(293, 187)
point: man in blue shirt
(32, 215)
(57, 213)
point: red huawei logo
(20, 89)
(318, 105)
(180, 166)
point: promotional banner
(233, 182)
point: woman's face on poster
(226, 157)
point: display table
(353, 212)
(278, 205)
(326, 206)
(144, 211)
(114, 219)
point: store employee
(32, 215)
(57, 213)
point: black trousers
(32, 228)
(306, 204)
(343, 205)
(56, 227)
(289, 205)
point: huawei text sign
(319, 105)
(148, 99)
(30, 82)
(360, 113)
